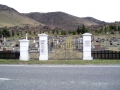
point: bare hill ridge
(63, 20)
(6, 8)
(10, 17)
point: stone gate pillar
(24, 47)
(43, 46)
(87, 46)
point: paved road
(60, 77)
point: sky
(104, 10)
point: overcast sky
(105, 10)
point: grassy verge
(68, 62)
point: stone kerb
(87, 46)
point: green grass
(67, 62)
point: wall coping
(87, 34)
(43, 34)
(24, 40)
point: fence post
(43, 46)
(87, 46)
(24, 47)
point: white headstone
(4, 40)
(36, 45)
(81, 40)
(34, 41)
(57, 41)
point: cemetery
(62, 47)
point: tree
(100, 30)
(63, 32)
(26, 31)
(29, 32)
(118, 28)
(57, 31)
(86, 30)
(112, 27)
(96, 31)
(0, 34)
(5, 32)
(53, 31)
(34, 32)
(74, 33)
(78, 30)
(48, 31)
(18, 33)
(13, 33)
(105, 30)
(83, 30)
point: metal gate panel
(34, 55)
(65, 51)
(34, 51)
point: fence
(9, 54)
(106, 54)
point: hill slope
(62, 20)
(95, 20)
(10, 17)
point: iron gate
(58, 51)
(34, 51)
(65, 51)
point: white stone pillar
(24, 47)
(43, 46)
(87, 46)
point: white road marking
(35, 65)
(3, 79)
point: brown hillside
(10, 17)
(62, 20)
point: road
(59, 77)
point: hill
(63, 20)
(10, 17)
(95, 20)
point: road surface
(59, 77)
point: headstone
(76, 41)
(81, 40)
(93, 47)
(51, 46)
(4, 49)
(36, 45)
(111, 44)
(4, 40)
(107, 33)
(97, 47)
(57, 42)
(0, 45)
(34, 41)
